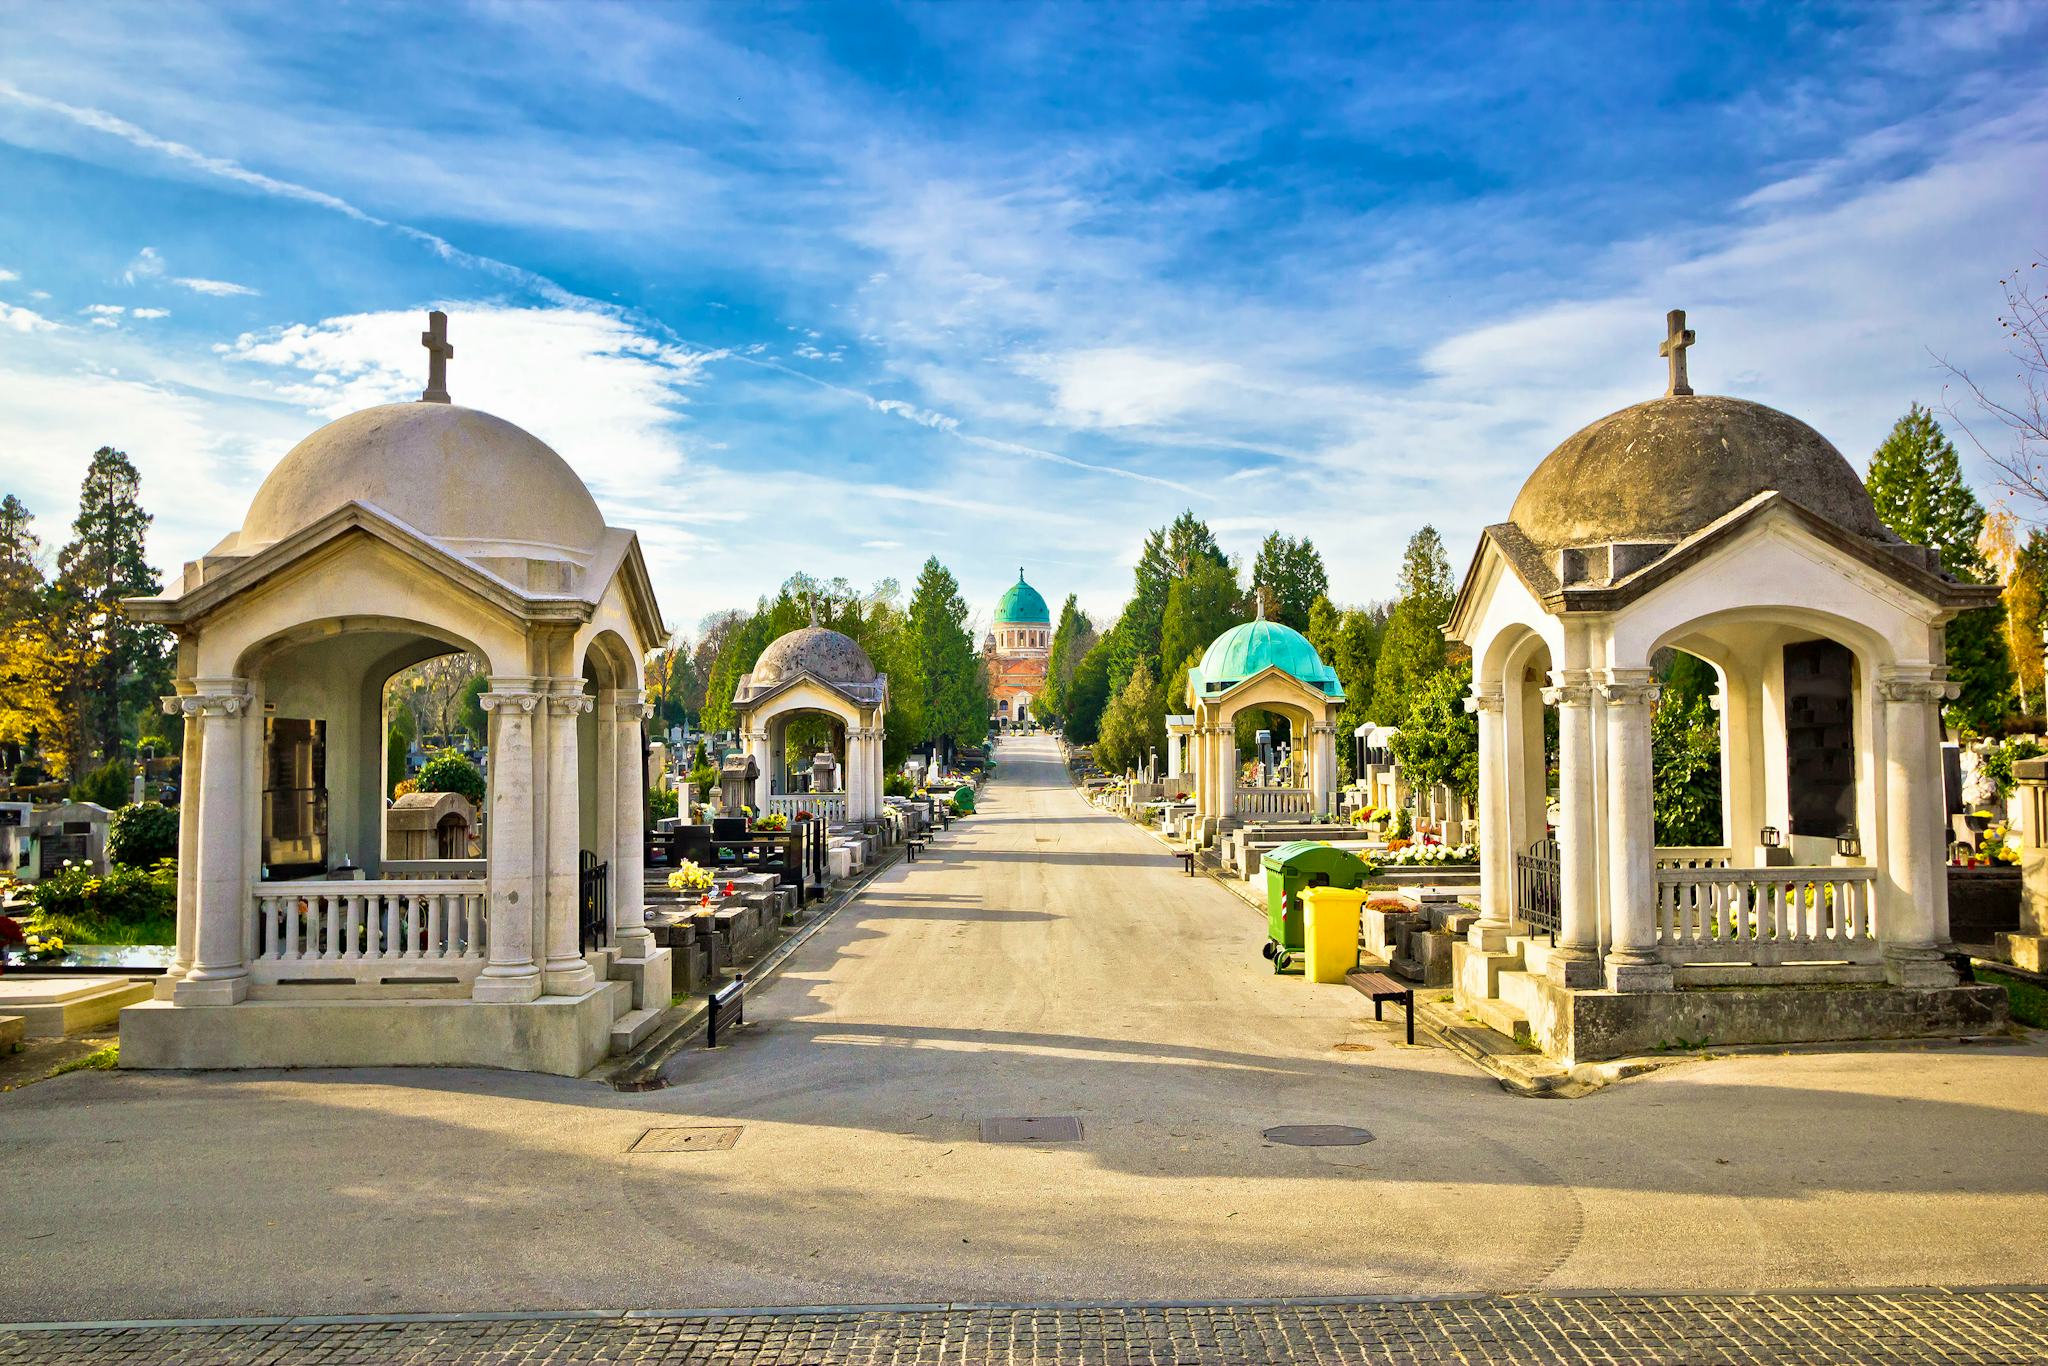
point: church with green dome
(1016, 648)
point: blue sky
(836, 287)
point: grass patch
(94, 929)
(99, 1060)
(2029, 1001)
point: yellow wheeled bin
(1332, 915)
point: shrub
(141, 834)
(452, 772)
(661, 803)
(27, 775)
(127, 906)
(896, 785)
(702, 779)
(108, 785)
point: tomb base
(563, 1035)
(2027, 951)
(1575, 1026)
(50, 1007)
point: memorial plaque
(1820, 740)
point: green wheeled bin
(1290, 869)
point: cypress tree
(125, 663)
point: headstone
(736, 779)
(823, 772)
(1820, 748)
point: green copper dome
(1021, 605)
(1251, 646)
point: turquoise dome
(1251, 646)
(1022, 605)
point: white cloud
(1122, 386)
(107, 310)
(147, 265)
(881, 545)
(7, 275)
(149, 312)
(216, 288)
(23, 319)
(604, 394)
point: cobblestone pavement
(1925, 1325)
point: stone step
(632, 1027)
(1504, 1019)
(1535, 950)
(1519, 990)
(1479, 972)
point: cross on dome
(435, 339)
(1679, 337)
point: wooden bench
(1187, 859)
(728, 1009)
(1382, 988)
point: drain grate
(707, 1139)
(1031, 1129)
(1318, 1135)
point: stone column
(566, 974)
(219, 975)
(1912, 909)
(630, 935)
(188, 847)
(754, 742)
(1496, 848)
(1576, 962)
(1322, 761)
(516, 894)
(1633, 963)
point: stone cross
(1673, 349)
(435, 339)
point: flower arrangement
(690, 877)
(774, 820)
(1431, 855)
(44, 947)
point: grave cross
(435, 339)
(1680, 336)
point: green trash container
(1290, 869)
(963, 801)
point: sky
(833, 288)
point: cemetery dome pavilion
(1017, 651)
(308, 935)
(1739, 535)
(818, 651)
(817, 673)
(1260, 666)
(1251, 646)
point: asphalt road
(1045, 960)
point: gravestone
(736, 779)
(823, 770)
(1820, 742)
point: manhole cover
(1351, 1048)
(1319, 1135)
(709, 1139)
(1031, 1129)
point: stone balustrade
(354, 932)
(831, 806)
(1767, 916)
(1694, 855)
(1272, 801)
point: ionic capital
(1920, 689)
(214, 697)
(523, 700)
(1630, 694)
(570, 703)
(1568, 695)
(1490, 699)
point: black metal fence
(593, 903)
(1537, 888)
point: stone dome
(459, 475)
(1662, 470)
(1022, 606)
(1250, 646)
(825, 655)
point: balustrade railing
(415, 869)
(1272, 801)
(1694, 855)
(355, 931)
(1767, 915)
(829, 806)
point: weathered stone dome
(1661, 470)
(461, 476)
(825, 655)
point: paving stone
(1924, 1325)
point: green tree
(397, 740)
(1072, 638)
(1437, 741)
(952, 684)
(1412, 648)
(1349, 642)
(126, 665)
(1916, 483)
(1200, 605)
(1169, 553)
(21, 568)
(1289, 575)
(1685, 759)
(1089, 695)
(1133, 725)
(470, 712)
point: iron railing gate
(593, 903)
(1537, 893)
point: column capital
(524, 701)
(1915, 686)
(570, 703)
(212, 697)
(1488, 699)
(1630, 693)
